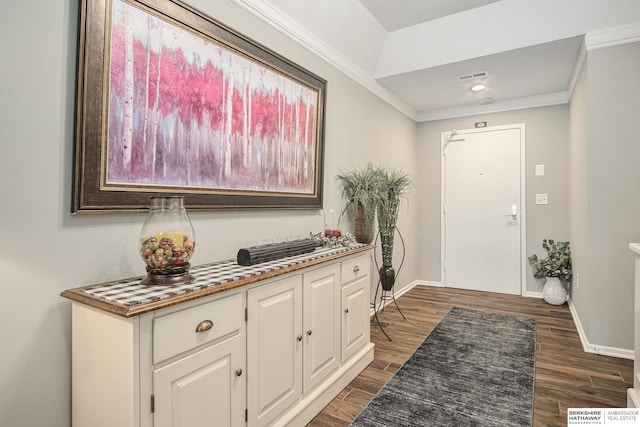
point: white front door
(482, 209)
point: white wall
(606, 206)
(46, 250)
(547, 142)
(614, 199)
(579, 196)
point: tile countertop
(128, 299)
(635, 247)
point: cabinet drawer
(355, 268)
(177, 332)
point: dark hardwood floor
(566, 376)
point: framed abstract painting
(170, 101)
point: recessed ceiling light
(478, 87)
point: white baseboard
(530, 294)
(594, 348)
(633, 398)
(427, 283)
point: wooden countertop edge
(78, 294)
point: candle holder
(331, 223)
(167, 242)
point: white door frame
(444, 139)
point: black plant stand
(384, 295)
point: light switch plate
(542, 199)
(539, 170)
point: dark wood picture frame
(99, 119)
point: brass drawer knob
(346, 311)
(238, 372)
(204, 326)
(299, 338)
(356, 269)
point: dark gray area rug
(474, 369)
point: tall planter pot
(387, 272)
(363, 229)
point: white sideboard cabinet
(266, 348)
(293, 339)
(207, 384)
(355, 305)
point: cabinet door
(204, 388)
(274, 348)
(355, 317)
(321, 323)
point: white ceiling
(397, 14)
(410, 51)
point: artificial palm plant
(392, 186)
(360, 188)
(377, 190)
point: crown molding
(612, 36)
(556, 98)
(285, 25)
(582, 56)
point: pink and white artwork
(188, 113)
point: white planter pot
(554, 291)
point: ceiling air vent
(471, 76)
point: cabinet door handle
(309, 332)
(356, 269)
(299, 338)
(346, 311)
(204, 326)
(238, 372)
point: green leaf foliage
(393, 186)
(556, 264)
(379, 189)
(361, 186)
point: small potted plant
(554, 269)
